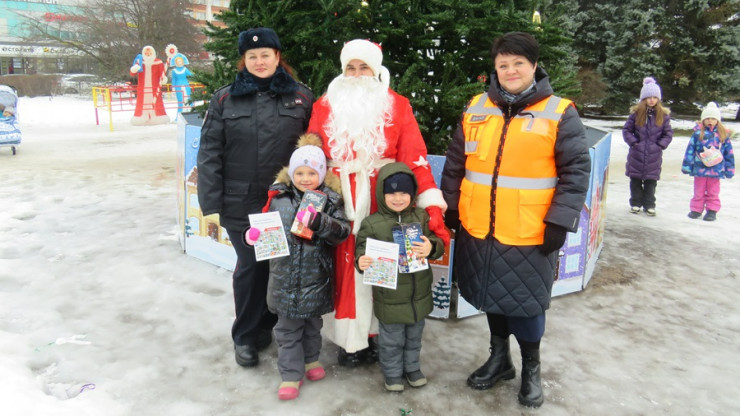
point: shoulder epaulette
(224, 87)
(303, 85)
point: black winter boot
(530, 394)
(710, 215)
(370, 354)
(348, 359)
(498, 366)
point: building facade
(20, 55)
(205, 10)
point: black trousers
(527, 331)
(642, 192)
(250, 293)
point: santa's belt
(362, 171)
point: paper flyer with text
(272, 242)
(384, 270)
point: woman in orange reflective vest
(515, 180)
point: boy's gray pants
(399, 348)
(299, 343)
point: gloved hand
(452, 219)
(135, 68)
(437, 224)
(251, 235)
(315, 223)
(554, 238)
(306, 215)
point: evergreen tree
(437, 51)
(702, 47)
(689, 47)
(441, 293)
(631, 54)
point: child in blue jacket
(709, 157)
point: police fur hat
(259, 37)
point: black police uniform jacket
(247, 137)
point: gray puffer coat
(645, 157)
(517, 280)
(300, 284)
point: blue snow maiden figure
(180, 83)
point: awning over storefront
(37, 51)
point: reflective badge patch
(471, 147)
(477, 118)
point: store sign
(56, 17)
(39, 1)
(37, 51)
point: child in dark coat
(400, 311)
(710, 136)
(300, 290)
(647, 132)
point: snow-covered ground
(102, 314)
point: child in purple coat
(647, 132)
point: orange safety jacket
(510, 169)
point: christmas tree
(441, 294)
(437, 51)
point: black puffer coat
(247, 136)
(300, 284)
(517, 280)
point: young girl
(711, 134)
(299, 289)
(647, 132)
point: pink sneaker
(315, 371)
(289, 390)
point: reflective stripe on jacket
(510, 168)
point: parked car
(84, 83)
(79, 83)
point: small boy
(299, 289)
(400, 311)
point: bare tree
(113, 32)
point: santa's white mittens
(135, 68)
(431, 197)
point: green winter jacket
(411, 301)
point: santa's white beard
(360, 109)
(148, 60)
